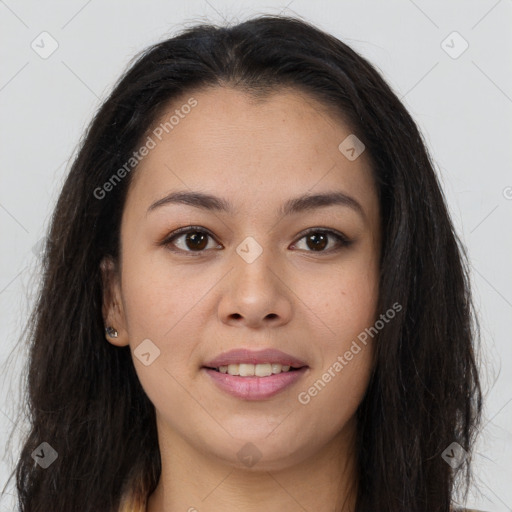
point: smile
(258, 370)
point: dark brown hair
(84, 397)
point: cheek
(156, 295)
(165, 304)
(158, 304)
(329, 399)
(347, 352)
(348, 310)
(336, 387)
(346, 299)
(357, 299)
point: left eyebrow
(306, 202)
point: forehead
(282, 119)
(235, 144)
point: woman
(253, 296)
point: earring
(111, 332)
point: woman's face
(249, 277)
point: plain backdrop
(460, 97)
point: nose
(256, 294)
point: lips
(245, 356)
(261, 385)
(255, 388)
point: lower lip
(255, 388)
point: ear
(112, 308)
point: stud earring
(111, 332)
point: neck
(194, 481)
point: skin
(305, 302)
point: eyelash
(341, 239)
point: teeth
(245, 370)
(278, 368)
(258, 370)
(262, 370)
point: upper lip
(246, 356)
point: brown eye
(190, 239)
(318, 239)
(196, 240)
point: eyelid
(330, 231)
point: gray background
(463, 106)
